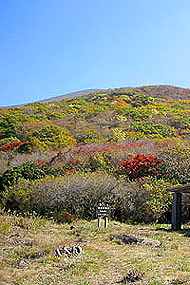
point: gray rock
(125, 238)
(22, 264)
(133, 240)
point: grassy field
(28, 253)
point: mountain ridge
(70, 95)
(161, 91)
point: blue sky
(49, 48)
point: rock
(154, 243)
(125, 238)
(22, 264)
(133, 240)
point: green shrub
(50, 133)
(140, 99)
(52, 136)
(28, 170)
(159, 201)
(177, 162)
(153, 129)
(136, 113)
(87, 135)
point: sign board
(103, 211)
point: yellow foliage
(118, 135)
(39, 144)
(65, 140)
(135, 135)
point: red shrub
(109, 147)
(10, 146)
(141, 165)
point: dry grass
(28, 257)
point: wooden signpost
(103, 211)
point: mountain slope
(70, 95)
(137, 133)
(100, 116)
(160, 91)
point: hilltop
(160, 91)
(70, 95)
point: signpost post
(102, 211)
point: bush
(140, 100)
(10, 146)
(8, 140)
(28, 170)
(78, 195)
(140, 166)
(185, 207)
(75, 160)
(52, 136)
(177, 161)
(130, 203)
(118, 135)
(159, 200)
(153, 130)
(87, 135)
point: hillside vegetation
(122, 146)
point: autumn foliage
(140, 166)
(139, 137)
(10, 146)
